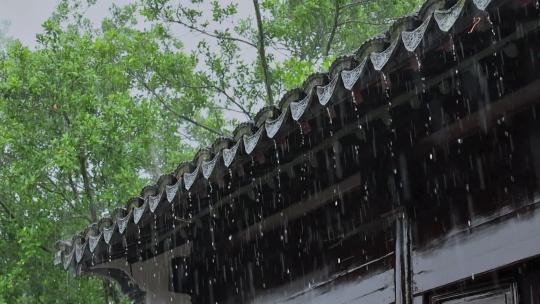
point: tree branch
(73, 187)
(232, 100)
(334, 29)
(217, 89)
(84, 217)
(355, 3)
(262, 55)
(181, 116)
(220, 108)
(7, 210)
(87, 187)
(362, 22)
(51, 191)
(55, 185)
(214, 35)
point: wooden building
(409, 173)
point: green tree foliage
(87, 120)
(95, 113)
(314, 32)
(300, 36)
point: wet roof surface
(407, 32)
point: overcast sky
(26, 16)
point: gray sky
(26, 16)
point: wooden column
(535, 152)
(403, 274)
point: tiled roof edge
(378, 50)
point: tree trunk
(333, 32)
(262, 55)
(87, 187)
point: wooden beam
(454, 131)
(403, 268)
(482, 119)
(521, 31)
(378, 113)
(299, 209)
(346, 130)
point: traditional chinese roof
(405, 35)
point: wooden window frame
(503, 288)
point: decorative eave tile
(68, 258)
(324, 93)
(379, 60)
(351, 77)
(171, 190)
(412, 39)
(138, 212)
(208, 166)
(122, 223)
(299, 107)
(250, 142)
(153, 201)
(230, 154)
(272, 126)
(79, 252)
(189, 178)
(447, 18)
(93, 241)
(107, 234)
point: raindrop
(126, 249)
(453, 49)
(357, 113)
(302, 141)
(418, 62)
(386, 88)
(155, 234)
(139, 247)
(278, 176)
(230, 179)
(109, 248)
(329, 116)
(190, 203)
